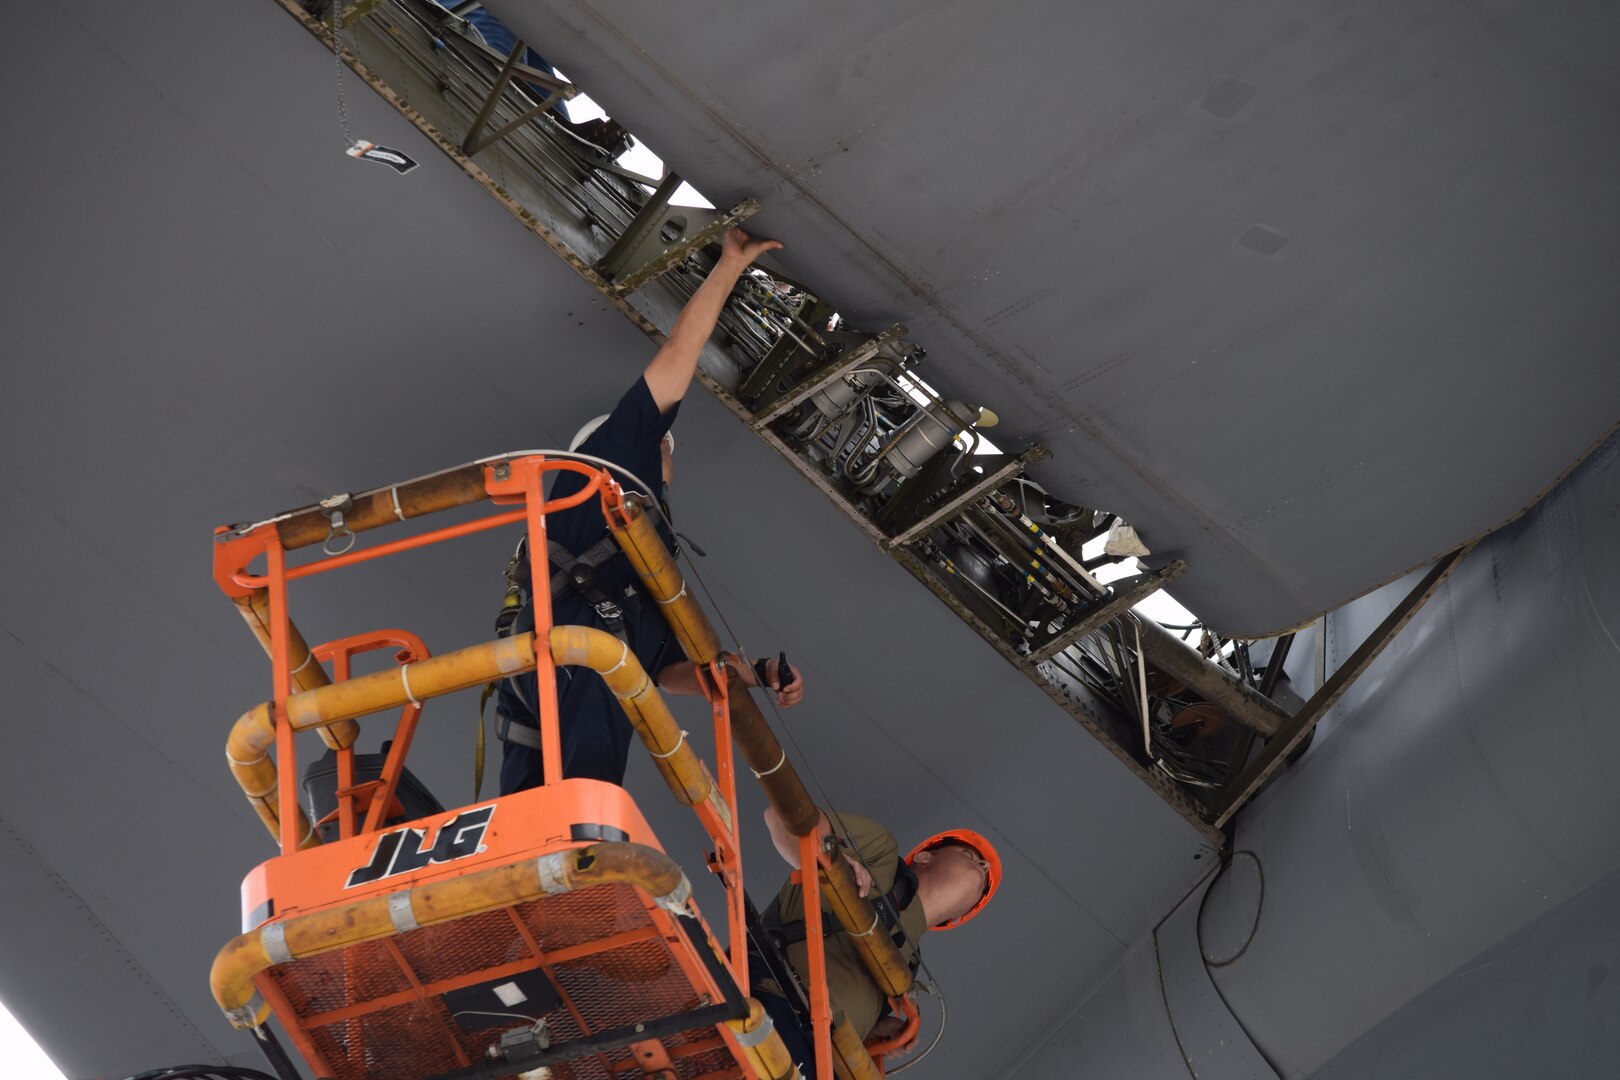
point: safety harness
(574, 573)
(771, 937)
(578, 572)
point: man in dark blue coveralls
(635, 436)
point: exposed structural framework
(849, 408)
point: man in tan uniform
(946, 880)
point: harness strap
(522, 734)
(888, 906)
(579, 573)
(566, 561)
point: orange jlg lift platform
(381, 951)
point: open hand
(741, 248)
(863, 876)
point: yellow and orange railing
(304, 698)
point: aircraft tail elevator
(846, 406)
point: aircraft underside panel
(1542, 1003)
(1430, 891)
(1308, 293)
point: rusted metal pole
(769, 763)
(337, 704)
(645, 550)
(612, 659)
(307, 674)
(457, 487)
(759, 746)
(1182, 662)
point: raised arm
(786, 844)
(671, 370)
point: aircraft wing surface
(1309, 293)
(214, 314)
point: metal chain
(337, 53)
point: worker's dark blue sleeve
(629, 438)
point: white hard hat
(587, 431)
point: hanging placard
(397, 160)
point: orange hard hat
(987, 852)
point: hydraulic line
(945, 562)
(787, 332)
(970, 520)
(815, 427)
(759, 321)
(1048, 544)
(685, 286)
(1036, 575)
(858, 430)
(869, 471)
(1069, 591)
(1120, 655)
(793, 316)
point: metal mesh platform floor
(377, 1009)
